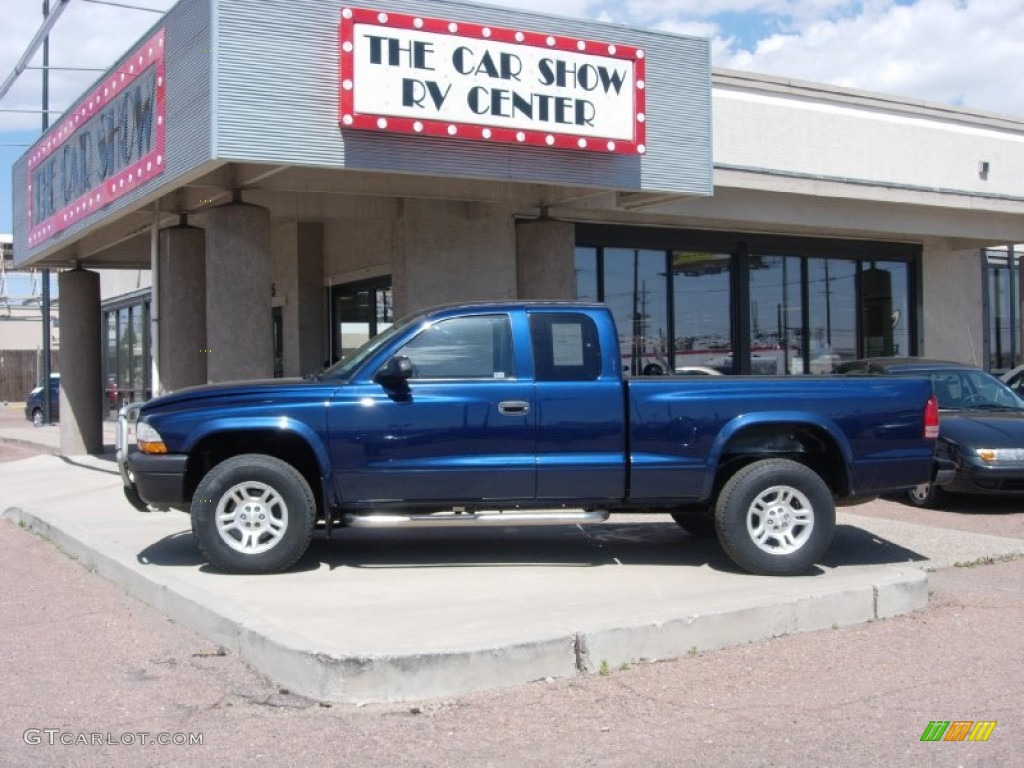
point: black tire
(37, 417)
(925, 496)
(253, 514)
(775, 517)
(699, 523)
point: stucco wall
(453, 251)
(819, 130)
(952, 317)
(359, 238)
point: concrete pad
(411, 614)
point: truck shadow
(856, 546)
(623, 544)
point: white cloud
(85, 35)
(962, 52)
(968, 54)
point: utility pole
(45, 273)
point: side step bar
(452, 519)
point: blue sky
(967, 53)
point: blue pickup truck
(518, 414)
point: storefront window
(832, 313)
(701, 309)
(587, 286)
(748, 304)
(1002, 341)
(636, 292)
(138, 357)
(127, 355)
(776, 315)
(885, 312)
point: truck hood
(237, 391)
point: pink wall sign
(108, 145)
(418, 75)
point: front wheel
(37, 417)
(253, 514)
(925, 496)
(775, 517)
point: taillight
(931, 418)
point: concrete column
(545, 259)
(309, 353)
(239, 331)
(182, 307)
(81, 390)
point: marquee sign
(418, 75)
(108, 145)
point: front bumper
(148, 480)
(159, 480)
(984, 479)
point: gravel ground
(82, 662)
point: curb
(291, 661)
(42, 447)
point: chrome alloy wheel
(251, 517)
(780, 520)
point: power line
(48, 21)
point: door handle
(513, 408)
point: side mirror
(398, 368)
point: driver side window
(463, 348)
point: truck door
(581, 435)
(462, 429)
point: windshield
(973, 390)
(350, 363)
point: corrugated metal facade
(277, 102)
(188, 123)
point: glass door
(359, 311)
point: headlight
(996, 455)
(148, 439)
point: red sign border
(136, 173)
(349, 118)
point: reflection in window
(776, 315)
(703, 325)
(885, 316)
(798, 314)
(636, 292)
(831, 312)
(463, 348)
(587, 286)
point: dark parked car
(981, 427)
(34, 401)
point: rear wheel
(775, 517)
(253, 514)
